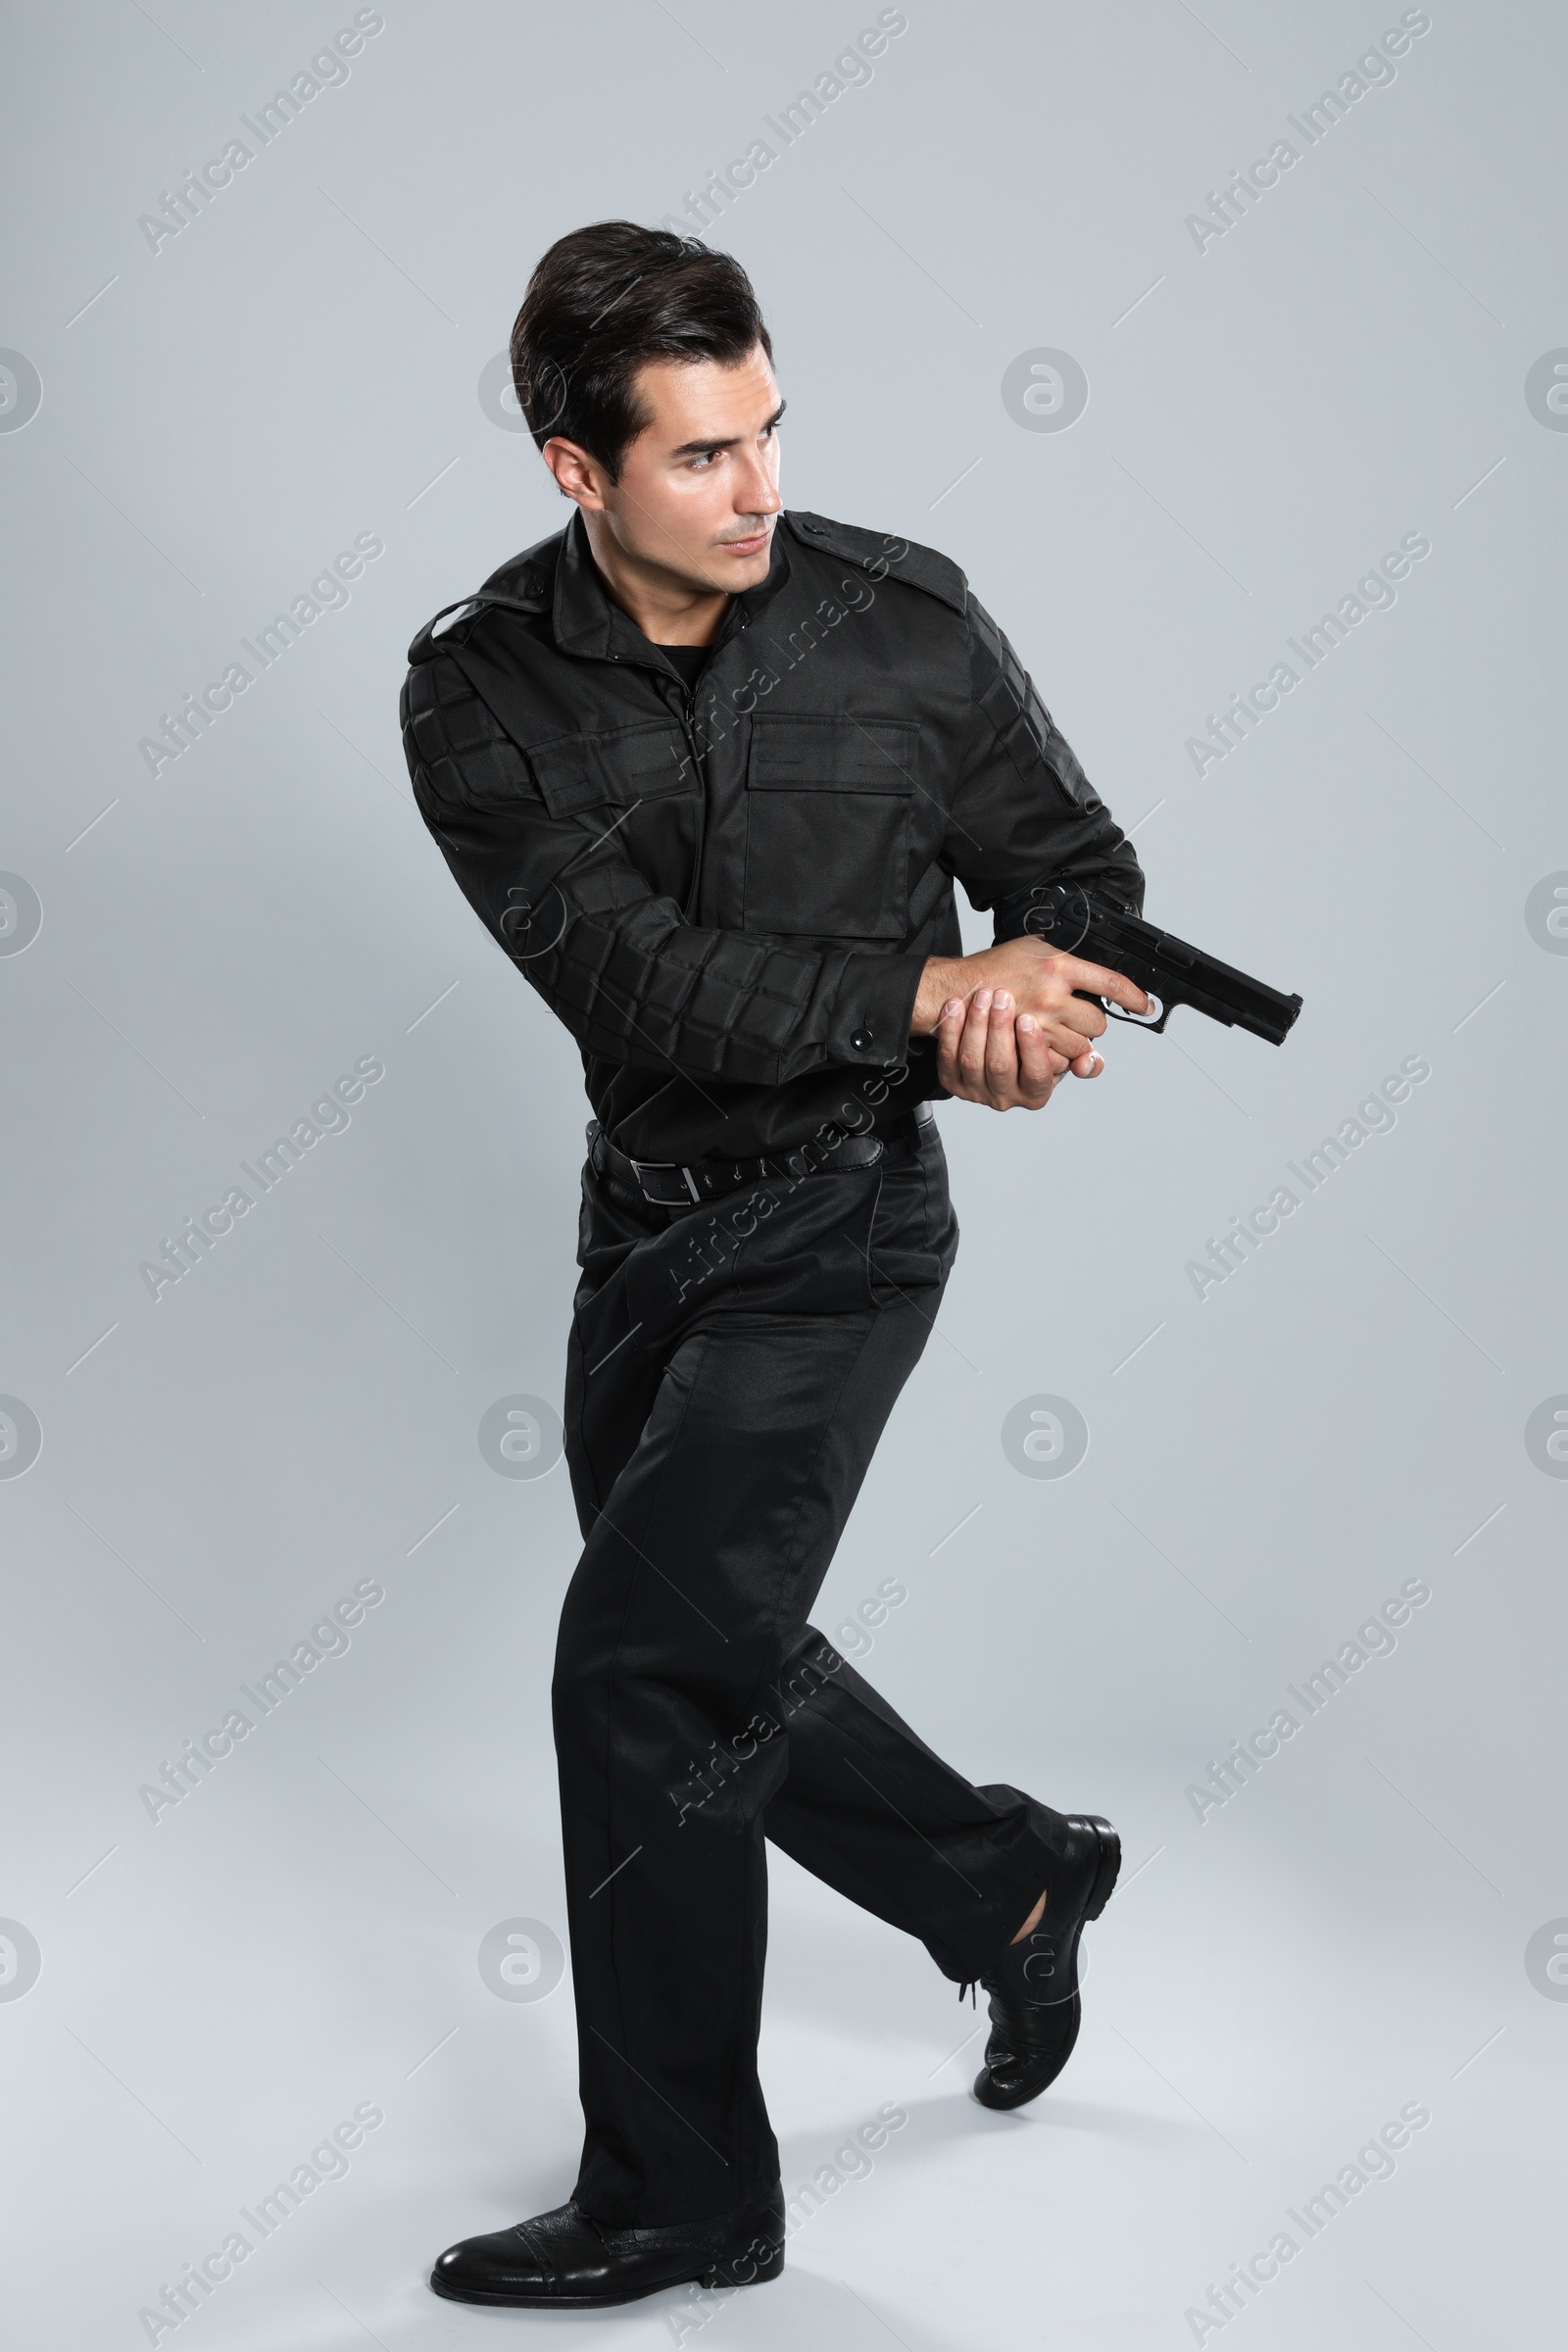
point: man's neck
(668, 609)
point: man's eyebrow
(696, 449)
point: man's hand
(1009, 1024)
(988, 1051)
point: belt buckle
(665, 1167)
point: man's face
(698, 492)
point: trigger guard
(1138, 1020)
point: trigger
(1151, 1019)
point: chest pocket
(828, 810)
(620, 765)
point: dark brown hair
(604, 300)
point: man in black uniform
(707, 771)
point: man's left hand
(990, 1052)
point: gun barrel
(1164, 965)
(1191, 977)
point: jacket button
(862, 1040)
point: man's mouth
(752, 545)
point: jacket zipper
(689, 703)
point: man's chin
(743, 566)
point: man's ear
(578, 476)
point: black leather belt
(674, 1184)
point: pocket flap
(619, 763)
(833, 754)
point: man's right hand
(1041, 982)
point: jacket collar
(587, 620)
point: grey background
(302, 1932)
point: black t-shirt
(690, 659)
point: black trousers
(731, 1371)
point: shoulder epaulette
(885, 556)
(523, 584)
(530, 574)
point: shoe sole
(716, 2275)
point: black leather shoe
(567, 2261)
(1035, 2005)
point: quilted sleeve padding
(1023, 810)
(619, 964)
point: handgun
(1168, 970)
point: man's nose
(757, 493)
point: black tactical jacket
(727, 894)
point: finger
(1065, 1037)
(1038, 1067)
(1103, 982)
(1080, 1013)
(950, 1025)
(1089, 1064)
(972, 1039)
(1002, 1051)
(1068, 1022)
(949, 1048)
